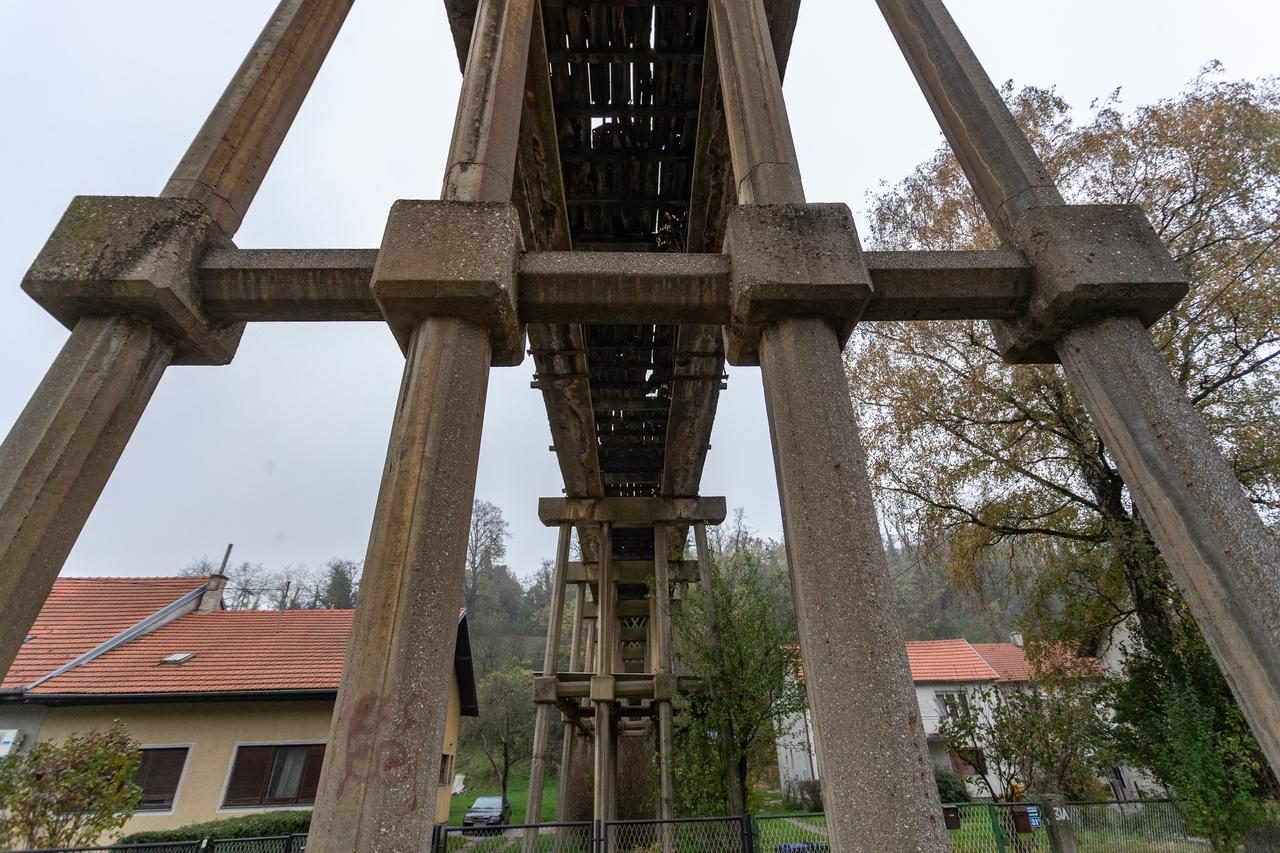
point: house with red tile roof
(947, 675)
(232, 708)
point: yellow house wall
(212, 731)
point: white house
(947, 674)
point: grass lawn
(517, 795)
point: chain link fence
(522, 838)
(1141, 826)
(998, 828)
(269, 844)
(792, 833)
(704, 835)
(1138, 826)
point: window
(951, 703)
(275, 775)
(446, 769)
(159, 771)
(968, 762)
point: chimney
(212, 598)
(1015, 637)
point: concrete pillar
(378, 785)
(377, 789)
(662, 641)
(1222, 557)
(602, 683)
(706, 578)
(63, 447)
(65, 444)
(570, 728)
(550, 666)
(877, 780)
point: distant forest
(507, 614)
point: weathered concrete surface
(1224, 559)
(877, 780)
(623, 287)
(550, 665)
(288, 285)
(482, 158)
(1005, 172)
(631, 512)
(134, 257)
(661, 595)
(792, 260)
(230, 155)
(1098, 260)
(452, 259)
(602, 693)
(319, 285)
(60, 453)
(377, 790)
(1219, 552)
(754, 109)
(947, 285)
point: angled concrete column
(877, 779)
(1222, 557)
(550, 666)
(56, 460)
(66, 442)
(229, 157)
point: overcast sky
(281, 451)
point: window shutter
(249, 775)
(311, 775)
(159, 771)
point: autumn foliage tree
(991, 459)
(68, 793)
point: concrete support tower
(623, 202)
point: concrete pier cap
(1090, 261)
(135, 256)
(452, 259)
(792, 261)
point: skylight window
(176, 659)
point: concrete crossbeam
(623, 287)
(305, 285)
(632, 571)
(289, 285)
(632, 512)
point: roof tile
(81, 613)
(232, 650)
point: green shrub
(951, 788)
(246, 826)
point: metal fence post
(996, 829)
(599, 844)
(748, 837)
